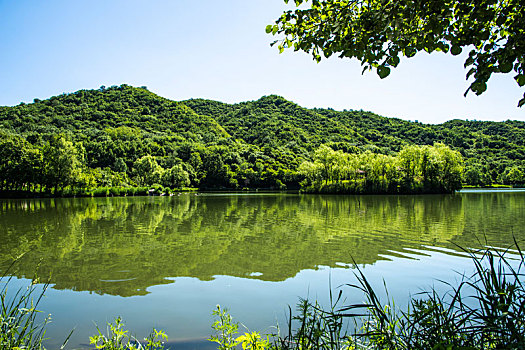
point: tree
(175, 177)
(448, 167)
(378, 32)
(147, 171)
(513, 176)
(62, 162)
(327, 157)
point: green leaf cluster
(118, 338)
(379, 32)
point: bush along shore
(484, 311)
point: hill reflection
(121, 246)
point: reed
(20, 327)
(484, 311)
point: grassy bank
(114, 191)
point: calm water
(166, 262)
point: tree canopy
(379, 32)
(126, 137)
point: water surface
(167, 261)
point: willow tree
(147, 171)
(379, 32)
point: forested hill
(123, 135)
(489, 148)
(276, 120)
(91, 111)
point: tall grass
(19, 327)
(484, 311)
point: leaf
(455, 50)
(383, 72)
(468, 62)
(393, 61)
(410, 52)
(479, 87)
(520, 79)
(269, 28)
(505, 67)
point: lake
(166, 262)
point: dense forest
(127, 137)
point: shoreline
(140, 192)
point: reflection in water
(122, 246)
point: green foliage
(513, 176)
(19, 328)
(253, 341)
(117, 338)
(225, 329)
(317, 328)
(485, 311)
(123, 137)
(147, 171)
(378, 33)
(434, 169)
(176, 177)
(61, 163)
(476, 175)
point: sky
(219, 50)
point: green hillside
(122, 106)
(490, 149)
(126, 136)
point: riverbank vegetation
(19, 326)
(127, 137)
(484, 311)
(415, 169)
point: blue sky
(218, 50)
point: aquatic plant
(226, 329)
(117, 338)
